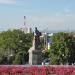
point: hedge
(37, 70)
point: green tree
(62, 48)
(18, 58)
(15, 42)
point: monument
(35, 53)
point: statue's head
(35, 28)
(37, 32)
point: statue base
(35, 57)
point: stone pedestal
(35, 57)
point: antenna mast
(25, 21)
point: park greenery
(14, 46)
(62, 50)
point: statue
(35, 53)
(37, 35)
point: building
(47, 40)
(26, 30)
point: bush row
(37, 70)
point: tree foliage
(15, 42)
(62, 48)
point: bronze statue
(37, 35)
(35, 52)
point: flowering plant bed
(37, 70)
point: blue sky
(44, 14)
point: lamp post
(22, 52)
(10, 57)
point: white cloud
(7, 1)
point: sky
(43, 14)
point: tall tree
(15, 42)
(62, 48)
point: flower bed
(37, 70)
